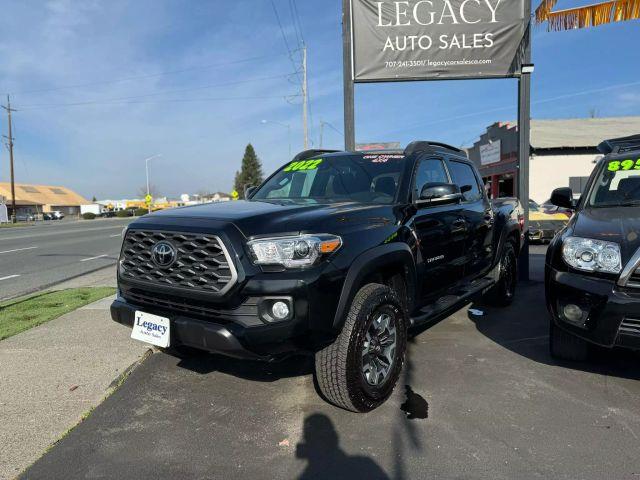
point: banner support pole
(524, 142)
(347, 60)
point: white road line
(110, 236)
(94, 258)
(18, 249)
(8, 277)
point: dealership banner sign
(436, 39)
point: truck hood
(257, 218)
(614, 224)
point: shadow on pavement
(523, 328)
(320, 448)
(203, 363)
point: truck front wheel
(359, 370)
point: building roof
(28, 194)
(580, 132)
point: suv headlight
(293, 252)
(592, 255)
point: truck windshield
(369, 178)
(617, 184)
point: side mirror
(249, 191)
(563, 198)
(438, 193)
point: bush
(123, 213)
(138, 212)
(88, 215)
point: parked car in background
(57, 215)
(337, 254)
(592, 267)
(543, 226)
(25, 217)
(550, 208)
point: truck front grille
(634, 280)
(630, 326)
(201, 263)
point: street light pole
(288, 126)
(146, 167)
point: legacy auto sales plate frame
(410, 40)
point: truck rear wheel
(359, 370)
(565, 346)
(503, 293)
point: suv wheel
(359, 370)
(565, 346)
(503, 293)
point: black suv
(336, 254)
(592, 272)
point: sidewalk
(53, 374)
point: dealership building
(563, 153)
(35, 199)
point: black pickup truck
(592, 271)
(337, 254)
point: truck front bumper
(611, 316)
(220, 335)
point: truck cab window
(430, 170)
(462, 176)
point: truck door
(440, 232)
(479, 218)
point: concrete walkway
(53, 374)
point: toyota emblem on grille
(164, 254)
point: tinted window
(430, 170)
(369, 178)
(617, 184)
(462, 176)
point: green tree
(250, 172)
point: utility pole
(10, 145)
(305, 107)
(321, 131)
(348, 88)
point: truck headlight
(592, 255)
(293, 252)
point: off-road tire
(564, 346)
(503, 293)
(338, 366)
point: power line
(181, 90)
(286, 42)
(154, 102)
(499, 109)
(140, 77)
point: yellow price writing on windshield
(303, 165)
(616, 165)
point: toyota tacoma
(337, 254)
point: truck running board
(448, 302)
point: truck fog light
(280, 310)
(573, 313)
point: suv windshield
(617, 184)
(370, 178)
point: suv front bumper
(608, 310)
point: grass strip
(19, 315)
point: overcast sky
(157, 76)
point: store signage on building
(490, 152)
(395, 40)
(378, 146)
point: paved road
(496, 406)
(34, 257)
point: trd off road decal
(616, 165)
(303, 165)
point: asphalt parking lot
(480, 397)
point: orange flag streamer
(584, 17)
